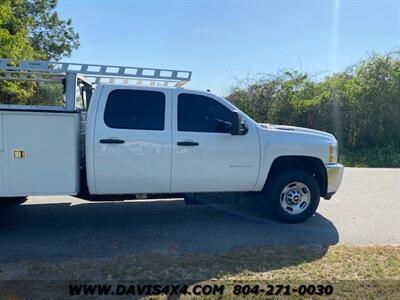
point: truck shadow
(160, 242)
(60, 231)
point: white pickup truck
(151, 140)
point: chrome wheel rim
(295, 198)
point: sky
(225, 42)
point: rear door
(132, 141)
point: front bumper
(334, 178)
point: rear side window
(200, 113)
(135, 109)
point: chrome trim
(335, 174)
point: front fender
(278, 143)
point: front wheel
(293, 195)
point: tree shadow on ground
(162, 241)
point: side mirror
(223, 126)
(236, 123)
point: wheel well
(311, 165)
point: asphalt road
(366, 210)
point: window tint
(135, 109)
(202, 114)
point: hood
(297, 129)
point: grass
(355, 271)
(277, 263)
(384, 157)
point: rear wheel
(11, 201)
(292, 195)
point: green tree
(14, 43)
(360, 106)
(50, 37)
(31, 29)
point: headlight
(333, 153)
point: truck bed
(49, 143)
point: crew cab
(154, 140)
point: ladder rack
(99, 72)
(45, 71)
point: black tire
(12, 201)
(276, 186)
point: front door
(205, 156)
(132, 141)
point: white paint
(50, 141)
(220, 163)
(141, 165)
(149, 161)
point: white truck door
(132, 141)
(204, 159)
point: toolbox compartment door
(41, 153)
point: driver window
(202, 114)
